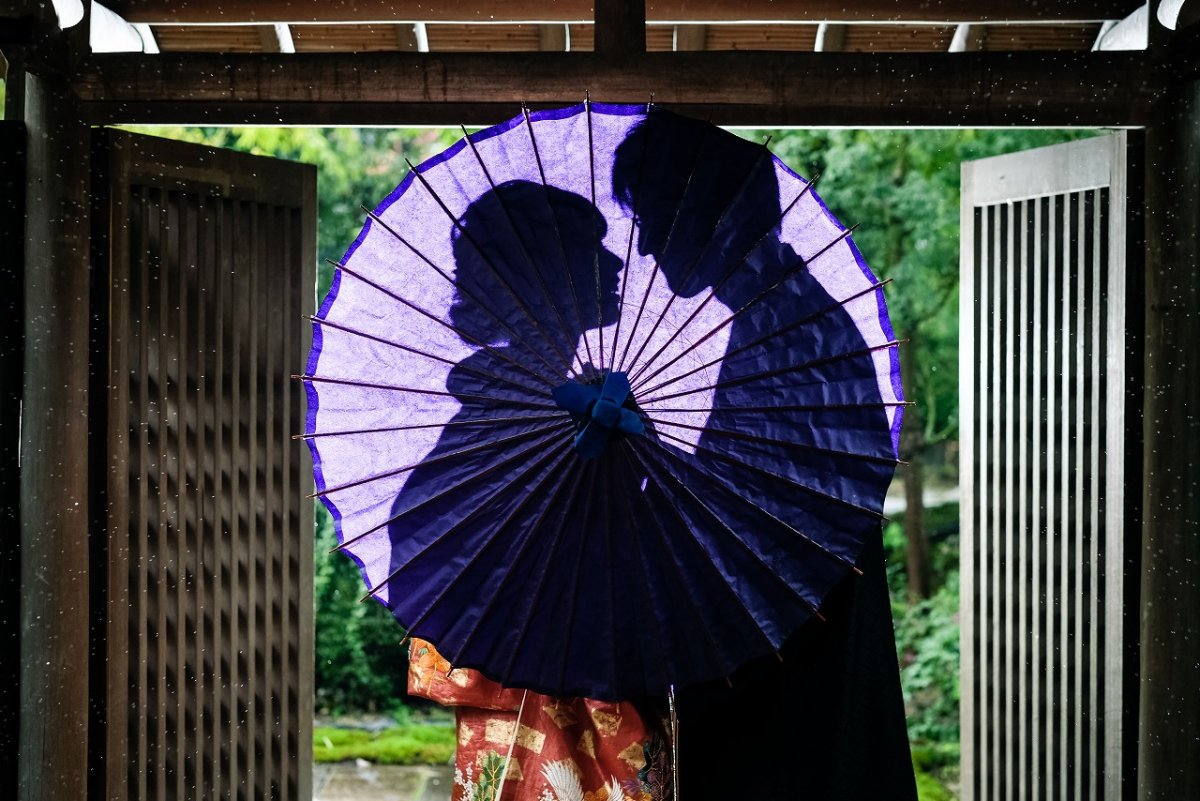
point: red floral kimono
(563, 749)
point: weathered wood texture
(210, 265)
(1050, 371)
(54, 445)
(12, 338)
(581, 10)
(730, 87)
(620, 28)
(1170, 621)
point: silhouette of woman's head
(690, 182)
(525, 247)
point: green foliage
(927, 641)
(902, 187)
(360, 663)
(419, 744)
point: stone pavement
(362, 781)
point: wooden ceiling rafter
(656, 11)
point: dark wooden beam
(581, 10)
(620, 28)
(749, 88)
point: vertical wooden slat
(1064, 489)
(204, 449)
(1084, 523)
(996, 543)
(1114, 479)
(157, 416)
(969, 306)
(182, 657)
(253, 454)
(987, 380)
(1008, 398)
(1096, 470)
(1079, 399)
(1037, 501)
(228, 769)
(241, 530)
(290, 319)
(194, 672)
(140, 534)
(1021, 472)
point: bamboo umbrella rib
(417, 352)
(633, 218)
(708, 560)
(670, 234)
(527, 539)
(534, 269)
(455, 527)
(575, 473)
(802, 266)
(768, 474)
(562, 251)
(318, 379)
(790, 369)
(478, 421)
(641, 563)
(445, 324)
(733, 199)
(775, 335)
(804, 537)
(735, 537)
(449, 490)
(499, 443)
(508, 287)
(575, 583)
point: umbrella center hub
(600, 412)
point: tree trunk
(912, 446)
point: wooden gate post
(1170, 627)
(54, 446)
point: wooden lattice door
(204, 266)
(1050, 391)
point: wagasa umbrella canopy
(603, 401)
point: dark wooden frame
(730, 88)
(57, 90)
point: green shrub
(403, 745)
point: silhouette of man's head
(525, 247)
(702, 196)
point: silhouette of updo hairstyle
(514, 241)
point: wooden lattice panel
(209, 534)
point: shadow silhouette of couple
(533, 281)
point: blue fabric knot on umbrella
(599, 410)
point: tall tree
(902, 187)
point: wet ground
(362, 781)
